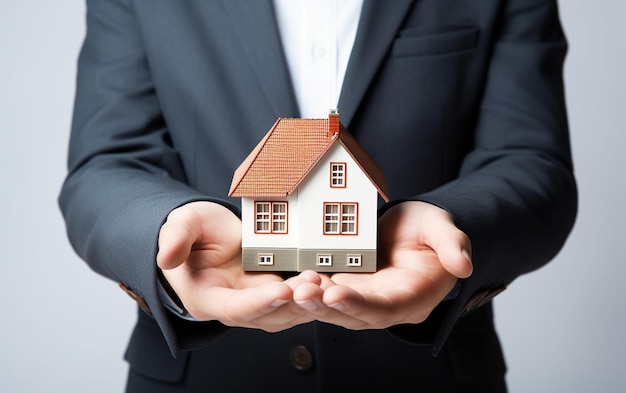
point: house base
(298, 260)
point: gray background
(64, 329)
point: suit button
(301, 358)
(142, 303)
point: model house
(309, 199)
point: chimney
(333, 122)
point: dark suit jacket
(460, 102)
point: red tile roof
(289, 151)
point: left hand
(422, 254)
(200, 256)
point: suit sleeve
(124, 176)
(515, 196)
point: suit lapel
(379, 23)
(257, 31)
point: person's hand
(200, 256)
(421, 256)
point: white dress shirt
(317, 38)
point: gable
(366, 163)
(289, 151)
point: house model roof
(290, 150)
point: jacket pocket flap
(435, 41)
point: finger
(307, 276)
(392, 295)
(308, 296)
(199, 226)
(176, 239)
(353, 310)
(281, 314)
(308, 290)
(364, 306)
(453, 248)
(240, 307)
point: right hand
(200, 256)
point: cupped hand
(200, 256)
(422, 254)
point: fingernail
(309, 305)
(278, 302)
(467, 255)
(339, 307)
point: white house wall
(316, 190)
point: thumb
(176, 239)
(454, 249)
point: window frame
(355, 257)
(338, 176)
(270, 217)
(338, 219)
(327, 260)
(268, 262)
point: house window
(340, 218)
(331, 218)
(348, 218)
(354, 260)
(262, 219)
(279, 217)
(270, 217)
(266, 259)
(337, 174)
(324, 260)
